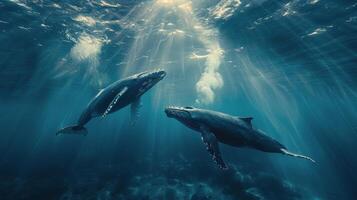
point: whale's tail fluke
(286, 152)
(75, 129)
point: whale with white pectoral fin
(236, 131)
(114, 97)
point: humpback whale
(231, 130)
(116, 96)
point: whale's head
(187, 115)
(148, 79)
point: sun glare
(184, 5)
(166, 2)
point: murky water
(289, 64)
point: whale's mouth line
(147, 84)
(154, 77)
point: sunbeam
(168, 27)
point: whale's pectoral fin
(135, 111)
(75, 129)
(114, 101)
(212, 146)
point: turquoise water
(289, 64)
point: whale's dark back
(234, 131)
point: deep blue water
(289, 64)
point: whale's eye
(188, 107)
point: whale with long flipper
(116, 96)
(236, 131)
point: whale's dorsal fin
(247, 120)
(212, 147)
(114, 101)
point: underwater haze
(289, 64)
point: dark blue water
(289, 64)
